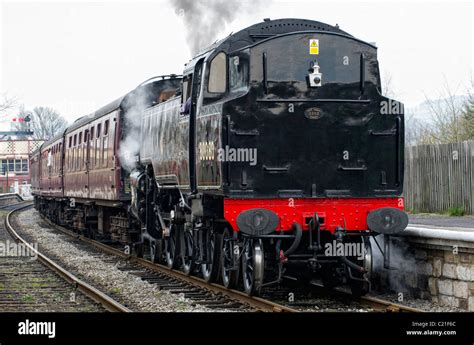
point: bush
(456, 211)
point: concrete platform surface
(466, 222)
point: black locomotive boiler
(274, 155)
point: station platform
(465, 223)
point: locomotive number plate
(313, 113)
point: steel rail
(388, 306)
(257, 303)
(98, 296)
(377, 303)
(260, 304)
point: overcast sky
(77, 56)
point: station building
(15, 150)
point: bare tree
(446, 116)
(388, 90)
(7, 102)
(45, 122)
(415, 130)
(468, 114)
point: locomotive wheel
(171, 248)
(187, 252)
(230, 277)
(139, 249)
(252, 266)
(156, 251)
(360, 288)
(210, 270)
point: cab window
(186, 95)
(238, 73)
(217, 74)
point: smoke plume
(205, 20)
(130, 145)
(402, 262)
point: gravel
(423, 304)
(97, 269)
(139, 295)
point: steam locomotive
(274, 155)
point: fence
(440, 177)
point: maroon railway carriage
(77, 176)
(79, 172)
(35, 172)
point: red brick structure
(14, 163)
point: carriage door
(86, 155)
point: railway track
(213, 295)
(377, 304)
(210, 295)
(14, 206)
(316, 298)
(35, 270)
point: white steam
(204, 20)
(401, 262)
(129, 148)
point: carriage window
(238, 73)
(84, 153)
(71, 162)
(217, 74)
(68, 155)
(98, 130)
(106, 127)
(80, 138)
(97, 152)
(105, 147)
(74, 160)
(92, 148)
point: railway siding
(28, 286)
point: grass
(27, 298)
(456, 211)
(116, 290)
